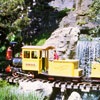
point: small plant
(81, 23)
(73, 9)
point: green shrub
(63, 12)
(3, 83)
(13, 93)
(41, 38)
(73, 9)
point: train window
(40, 54)
(26, 54)
(34, 55)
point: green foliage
(94, 10)
(13, 93)
(41, 38)
(13, 19)
(2, 48)
(81, 23)
(64, 12)
(41, 42)
(95, 31)
(73, 9)
(3, 83)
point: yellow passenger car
(95, 70)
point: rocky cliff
(76, 22)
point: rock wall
(78, 17)
(70, 27)
(65, 40)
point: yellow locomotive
(36, 58)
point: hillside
(36, 21)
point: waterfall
(86, 52)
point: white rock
(75, 96)
(37, 86)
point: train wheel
(30, 74)
(14, 73)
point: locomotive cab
(35, 58)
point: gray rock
(70, 20)
(78, 16)
(61, 4)
(77, 4)
(64, 39)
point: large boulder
(37, 86)
(64, 40)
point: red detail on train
(9, 53)
(8, 69)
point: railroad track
(83, 86)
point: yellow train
(36, 59)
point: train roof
(38, 47)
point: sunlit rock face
(61, 4)
(77, 4)
(64, 40)
(75, 96)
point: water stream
(86, 52)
